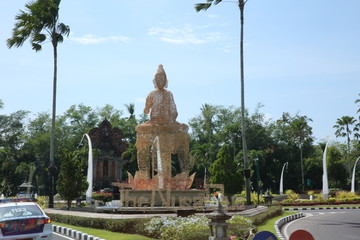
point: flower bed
(103, 196)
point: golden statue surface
(161, 141)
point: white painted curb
(77, 235)
(282, 221)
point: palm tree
(39, 22)
(300, 135)
(358, 101)
(131, 109)
(241, 5)
(343, 129)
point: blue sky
(300, 57)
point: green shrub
(42, 201)
(343, 195)
(239, 226)
(131, 226)
(179, 228)
(291, 195)
(254, 198)
(319, 198)
(261, 218)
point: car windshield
(20, 211)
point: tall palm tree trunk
(52, 167)
(243, 128)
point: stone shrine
(108, 163)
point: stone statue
(161, 101)
(160, 141)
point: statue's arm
(174, 112)
(148, 104)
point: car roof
(7, 204)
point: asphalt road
(334, 224)
(57, 236)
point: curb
(282, 221)
(74, 233)
(317, 208)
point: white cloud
(185, 35)
(92, 39)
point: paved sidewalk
(251, 211)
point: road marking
(63, 236)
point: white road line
(62, 236)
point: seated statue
(161, 101)
(161, 137)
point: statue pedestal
(158, 145)
(162, 198)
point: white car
(24, 221)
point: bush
(291, 195)
(261, 218)
(178, 228)
(131, 226)
(42, 201)
(103, 196)
(239, 227)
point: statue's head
(160, 79)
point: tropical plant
(39, 22)
(241, 5)
(71, 183)
(358, 101)
(345, 127)
(300, 133)
(224, 170)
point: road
(334, 224)
(57, 236)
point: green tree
(131, 109)
(241, 5)
(39, 22)
(205, 143)
(8, 178)
(300, 135)
(12, 130)
(345, 127)
(225, 171)
(291, 136)
(71, 183)
(336, 167)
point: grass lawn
(105, 234)
(269, 224)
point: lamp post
(353, 176)
(281, 191)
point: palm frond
(36, 47)
(202, 6)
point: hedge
(130, 226)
